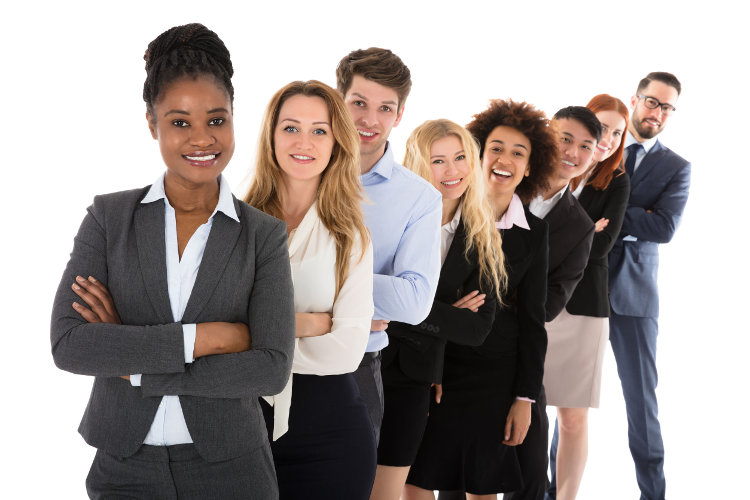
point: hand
(97, 297)
(438, 392)
(312, 324)
(518, 422)
(221, 338)
(600, 225)
(472, 301)
(379, 325)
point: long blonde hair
(340, 190)
(476, 213)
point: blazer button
(437, 329)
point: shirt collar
(225, 204)
(451, 226)
(647, 144)
(384, 166)
(514, 215)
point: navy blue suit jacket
(658, 193)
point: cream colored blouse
(312, 255)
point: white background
(73, 124)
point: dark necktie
(633, 151)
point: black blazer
(518, 329)
(590, 296)
(420, 348)
(570, 234)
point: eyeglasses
(652, 103)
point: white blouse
(312, 255)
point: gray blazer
(244, 277)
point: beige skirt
(575, 354)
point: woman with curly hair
(471, 278)
(488, 390)
(307, 174)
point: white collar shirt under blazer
(312, 255)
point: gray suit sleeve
(265, 368)
(104, 349)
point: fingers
(601, 224)
(472, 301)
(508, 430)
(378, 325)
(438, 392)
(98, 298)
(460, 302)
(86, 314)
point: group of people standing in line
(427, 313)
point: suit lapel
(219, 247)
(647, 165)
(454, 262)
(149, 233)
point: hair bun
(192, 36)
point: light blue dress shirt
(403, 213)
(169, 427)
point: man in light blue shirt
(402, 210)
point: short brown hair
(532, 123)
(660, 76)
(379, 65)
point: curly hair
(537, 128)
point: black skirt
(329, 450)
(462, 445)
(407, 403)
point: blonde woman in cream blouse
(307, 174)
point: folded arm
(659, 223)
(407, 295)
(341, 350)
(262, 370)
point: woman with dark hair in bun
(177, 298)
(487, 390)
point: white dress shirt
(312, 255)
(447, 232)
(169, 427)
(541, 207)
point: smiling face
(192, 121)
(375, 111)
(506, 160)
(303, 140)
(647, 123)
(576, 148)
(450, 169)
(613, 126)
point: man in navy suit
(659, 182)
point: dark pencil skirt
(329, 450)
(407, 403)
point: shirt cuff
(629, 238)
(521, 398)
(188, 333)
(135, 380)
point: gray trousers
(179, 472)
(370, 383)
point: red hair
(606, 170)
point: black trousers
(179, 472)
(370, 382)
